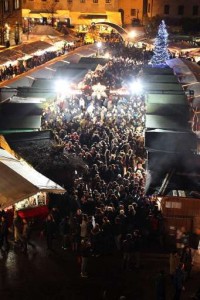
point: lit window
(133, 12)
(166, 9)
(195, 10)
(16, 4)
(108, 1)
(180, 10)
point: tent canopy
(72, 75)
(33, 92)
(45, 30)
(159, 78)
(20, 122)
(167, 110)
(86, 66)
(170, 141)
(20, 109)
(158, 71)
(160, 86)
(93, 60)
(166, 122)
(19, 180)
(169, 99)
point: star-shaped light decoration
(99, 91)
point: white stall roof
(19, 180)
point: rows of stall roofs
(169, 139)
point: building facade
(72, 12)
(173, 9)
(132, 11)
(10, 20)
(17, 15)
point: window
(16, 4)
(95, 1)
(6, 6)
(195, 10)
(166, 9)
(108, 1)
(82, 1)
(149, 8)
(69, 1)
(133, 12)
(180, 10)
(170, 204)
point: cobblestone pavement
(40, 274)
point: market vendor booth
(23, 188)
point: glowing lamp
(136, 87)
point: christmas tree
(161, 53)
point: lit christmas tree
(161, 53)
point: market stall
(21, 182)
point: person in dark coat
(4, 233)
(85, 251)
(186, 259)
(26, 234)
(49, 231)
(178, 281)
(65, 232)
(127, 248)
(160, 286)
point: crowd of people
(11, 70)
(106, 131)
(109, 208)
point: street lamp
(136, 88)
(131, 36)
(62, 89)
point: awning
(162, 86)
(35, 15)
(159, 78)
(38, 14)
(166, 122)
(92, 16)
(19, 180)
(168, 99)
(22, 52)
(170, 141)
(168, 110)
(45, 30)
(10, 55)
(20, 123)
(70, 74)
